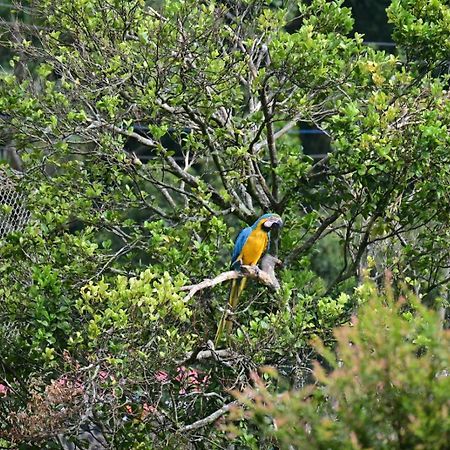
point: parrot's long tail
(236, 290)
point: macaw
(250, 245)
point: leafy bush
(384, 387)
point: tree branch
(311, 241)
(215, 154)
(268, 116)
(209, 419)
(281, 132)
(175, 168)
(266, 277)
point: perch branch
(265, 276)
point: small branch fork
(265, 275)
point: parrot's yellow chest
(254, 247)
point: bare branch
(209, 419)
(268, 116)
(207, 354)
(281, 132)
(225, 357)
(263, 193)
(175, 168)
(296, 252)
(254, 272)
(215, 153)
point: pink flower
(181, 374)
(103, 375)
(62, 381)
(191, 380)
(3, 390)
(147, 410)
(162, 377)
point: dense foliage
(147, 136)
(388, 388)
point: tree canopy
(148, 135)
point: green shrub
(388, 388)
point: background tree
(145, 136)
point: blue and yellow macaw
(250, 245)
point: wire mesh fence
(13, 212)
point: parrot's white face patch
(274, 221)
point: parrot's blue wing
(239, 244)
